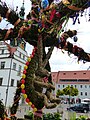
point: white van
(86, 100)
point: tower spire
(22, 11)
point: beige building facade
(77, 79)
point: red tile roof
(56, 76)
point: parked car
(80, 107)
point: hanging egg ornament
(24, 76)
(34, 50)
(38, 9)
(32, 106)
(25, 67)
(30, 103)
(39, 30)
(33, 53)
(35, 109)
(44, 4)
(75, 38)
(27, 63)
(22, 86)
(29, 59)
(31, 56)
(22, 81)
(43, 18)
(25, 96)
(23, 91)
(27, 100)
(24, 72)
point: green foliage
(50, 116)
(30, 113)
(82, 117)
(76, 92)
(72, 116)
(71, 91)
(57, 116)
(59, 93)
(47, 116)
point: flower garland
(23, 81)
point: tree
(42, 28)
(59, 93)
(71, 91)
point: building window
(74, 73)
(2, 65)
(83, 80)
(71, 85)
(81, 93)
(2, 52)
(80, 86)
(12, 82)
(1, 79)
(64, 73)
(23, 57)
(68, 80)
(14, 66)
(75, 86)
(20, 55)
(85, 93)
(18, 82)
(85, 86)
(58, 86)
(63, 86)
(19, 70)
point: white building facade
(11, 68)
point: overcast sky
(61, 61)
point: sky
(60, 61)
